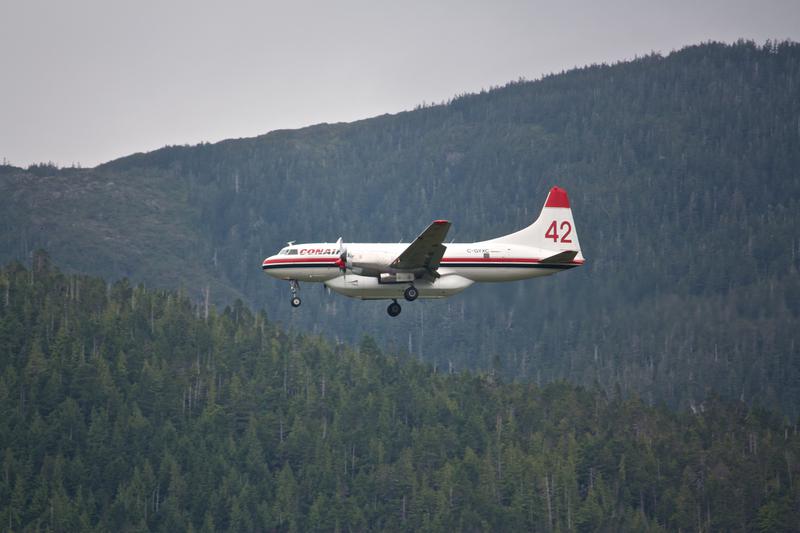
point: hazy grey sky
(88, 81)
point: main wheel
(411, 293)
(394, 309)
(296, 301)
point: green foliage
(682, 171)
(128, 409)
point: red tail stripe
(557, 198)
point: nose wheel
(411, 293)
(294, 286)
(394, 308)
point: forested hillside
(684, 175)
(131, 409)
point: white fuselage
(461, 266)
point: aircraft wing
(426, 251)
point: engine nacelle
(369, 263)
(396, 277)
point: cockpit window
(292, 251)
(283, 252)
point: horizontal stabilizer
(563, 257)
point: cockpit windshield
(292, 251)
(283, 252)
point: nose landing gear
(294, 286)
(394, 308)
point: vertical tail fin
(554, 229)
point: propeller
(341, 262)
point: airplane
(429, 268)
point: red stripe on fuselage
(498, 260)
(300, 260)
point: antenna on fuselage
(290, 243)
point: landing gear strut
(294, 286)
(394, 308)
(411, 293)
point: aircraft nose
(271, 265)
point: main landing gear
(411, 293)
(294, 286)
(394, 308)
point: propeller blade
(341, 262)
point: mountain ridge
(683, 175)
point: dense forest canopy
(684, 175)
(129, 409)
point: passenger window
(486, 255)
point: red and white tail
(553, 230)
